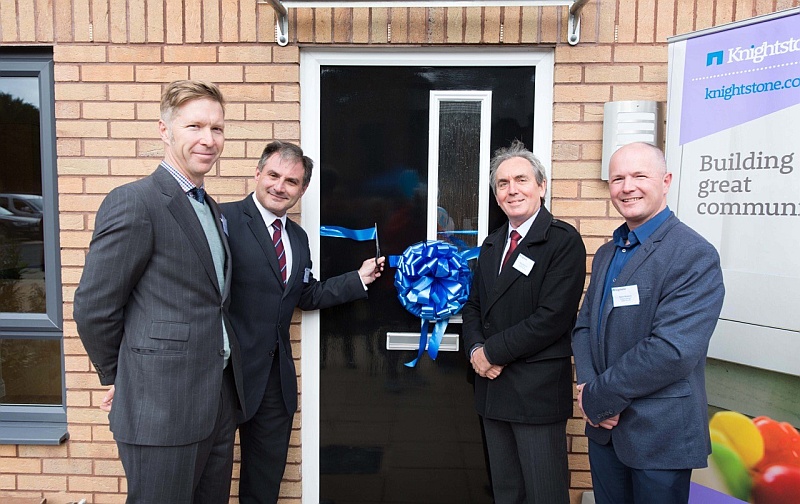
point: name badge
(625, 296)
(306, 275)
(524, 264)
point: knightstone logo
(754, 53)
(715, 58)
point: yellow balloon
(742, 435)
(719, 437)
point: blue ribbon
(432, 281)
(464, 232)
(353, 234)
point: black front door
(390, 433)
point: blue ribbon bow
(432, 281)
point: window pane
(459, 170)
(22, 275)
(30, 371)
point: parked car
(20, 227)
(23, 205)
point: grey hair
(516, 149)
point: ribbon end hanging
(423, 340)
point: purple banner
(699, 494)
(737, 75)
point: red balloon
(777, 485)
(781, 444)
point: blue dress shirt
(627, 242)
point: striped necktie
(276, 240)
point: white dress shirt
(522, 230)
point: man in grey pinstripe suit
(152, 312)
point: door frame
(311, 60)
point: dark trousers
(616, 483)
(528, 462)
(265, 443)
(198, 473)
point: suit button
(222, 352)
(279, 326)
(486, 325)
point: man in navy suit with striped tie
(272, 276)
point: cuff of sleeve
(474, 347)
(486, 354)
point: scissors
(377, 245)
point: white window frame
(436, 98)
(311, 61)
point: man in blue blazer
(152, 312)
(272, 276)
(517, 324)
(641, 340)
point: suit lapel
(645, 249)
(227, 265)
(181, 209)
(260, 232)
(298, 252)
(599, 271)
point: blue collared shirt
(627, 242)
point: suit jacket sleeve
(581, 335)
(118, 255)
(688, 306)
(332, 291)
(471, 313)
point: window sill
(33, 433)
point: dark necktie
(511, 247)
(276, 240)
(197, 193)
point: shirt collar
(641, 233)
(185, 183)
(268, 216)
(524, 227)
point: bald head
(638, 182)
(645, 153)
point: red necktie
(276, 240)
(511, 247)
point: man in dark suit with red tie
(272, 276)
(517, 324)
